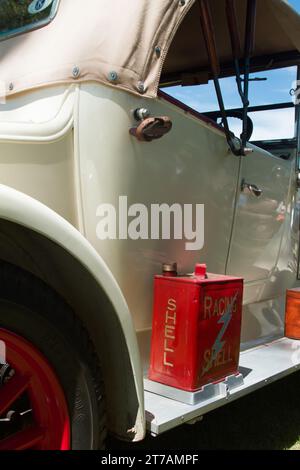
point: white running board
(259, 367)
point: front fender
(44, 225)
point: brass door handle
(252, 188)
(152, 128)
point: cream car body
(65, 148)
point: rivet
(112, 76)
(11, 87)
(182, 3)
(75, 72)
(141, 87)
(157, 51)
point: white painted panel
(191, 165)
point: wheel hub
(6, 372)
(33, 409)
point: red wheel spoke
(23, 440)
(34, 387)
(12, 390)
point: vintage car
(86, 127)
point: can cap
(169, 269)
(200, 270)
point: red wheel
(33, 409)
(51, 389)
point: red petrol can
(196, 329)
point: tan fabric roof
(120, 36)
(277, 33)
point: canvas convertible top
(125, 43)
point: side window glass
(19, 16)
(267, 89)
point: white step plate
(259, 366)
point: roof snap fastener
(75, 71)
(182, 3)
(157, 51)
(112, 76)
(11, 87)
(141, 87)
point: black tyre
(31, 314)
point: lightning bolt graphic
(218, 345)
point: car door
(262, 247)
(189, 166)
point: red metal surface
(292, 314)
(50, 426)
(196, 329)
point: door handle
(152, 128)
(252, 188)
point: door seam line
(237, 193)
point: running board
(259, 366)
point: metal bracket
(12, 415)
(207, 392)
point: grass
(268, 419)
